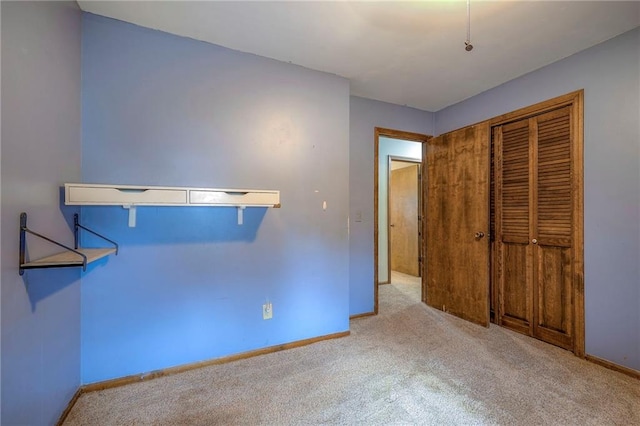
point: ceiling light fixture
(467, 44)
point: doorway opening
(398, 208)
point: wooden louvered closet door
(534, 226)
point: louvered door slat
(515, 182)
(554, 175)
(492, 200)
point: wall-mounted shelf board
(131, 196)
(71, 257)
(68, 258)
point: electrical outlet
(267, 311)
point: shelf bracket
(23, 244)
(132, 214)
(76, 234)
(24, 230)
(240, 215)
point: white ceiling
(406, 53)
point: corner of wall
(40, 150)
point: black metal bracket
(24, 230)
(76, 232)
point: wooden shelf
(71, 257)
(68, 258)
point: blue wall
(366, 115)
(189, 283)
(398, 148)
(610, 76)
(40, 151)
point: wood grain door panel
(437, 209)
(554, 306)
(457, 263)
(515, 305)
(403, 220)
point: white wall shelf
(131, 196)
(71, 257)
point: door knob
(479, 235)
(392, 225)
(534, 241)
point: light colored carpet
(410, 365)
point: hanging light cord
(467, 44)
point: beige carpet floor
(410, 365)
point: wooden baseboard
(613, 366)
(121, 381)
(366, 314)
(70, 405)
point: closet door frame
(576, 101)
